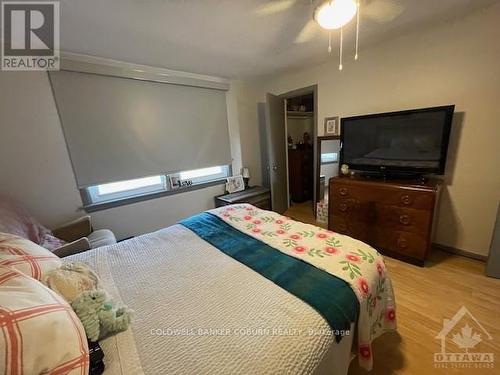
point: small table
(256, 195)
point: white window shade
(120, 129)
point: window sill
(145, 197)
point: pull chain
(330, 42)
(357, 32)
(341, 47)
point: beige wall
(35, 168)
(34, 164)
(249, 131)
(455, 62)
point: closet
(299, 125)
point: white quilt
(353, 261)
(198, 311)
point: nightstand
(256, 195)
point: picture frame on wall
(332, 125)
(235, 184)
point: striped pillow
(40, 333)
(26, 256)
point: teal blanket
(330, 296)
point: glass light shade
(335, 14)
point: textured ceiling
(227, 38)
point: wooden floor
(304, 212)
(425, 297)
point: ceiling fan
(335, 14)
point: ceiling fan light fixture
(335, 14)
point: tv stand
(394, 216)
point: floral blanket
(353, 261)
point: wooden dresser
(395, 217)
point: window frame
(92, 202)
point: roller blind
(119, 128)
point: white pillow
(26, 256)
(40, 331)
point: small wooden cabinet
(395, 217)
(255, 195)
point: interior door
(276, 149)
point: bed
(209, 297)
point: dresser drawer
(354, 208)
(339, 191)
(412, 198)
(350, 227)
(407, 244)
(403, 219)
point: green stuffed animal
(98, 315)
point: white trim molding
(97, 65)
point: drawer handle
(404, 219)
(406, 199)
(343, 191)
(343, 207)
(402, 243)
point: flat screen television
(405, 143)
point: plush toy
(71, 279)
(98, 315)
(78, 284)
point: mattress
(198, 310)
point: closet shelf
(299, 114)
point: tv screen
(414, 141)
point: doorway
(291, 132)
(300, 129)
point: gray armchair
(80, 237)
(78, 234)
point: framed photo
(235, 184)
(332, 125)
(177, 183)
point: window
(125, 189)
(205, 174)
(142, 187)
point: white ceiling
(225, 38)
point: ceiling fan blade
(382, 10)
(273, 7)
(308, 32)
